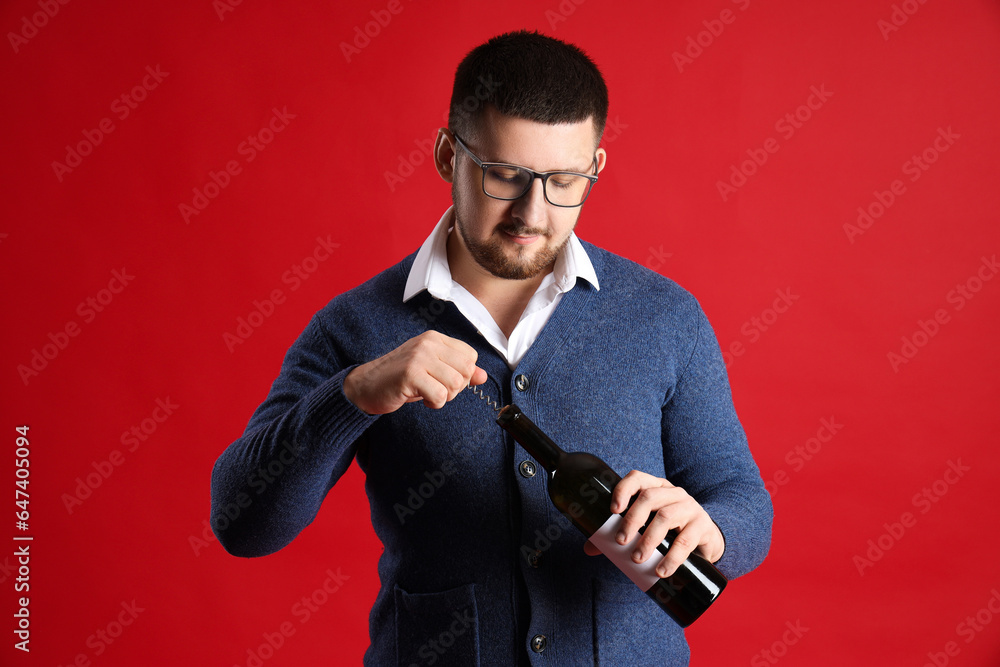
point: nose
(530, 209)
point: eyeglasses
(509, 181)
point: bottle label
(642, 574)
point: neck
(504, 299)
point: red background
(673, 136)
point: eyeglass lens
(509, 182)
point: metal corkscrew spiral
(489, 401)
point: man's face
(517, 239)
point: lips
(522, 236)
(522, 240)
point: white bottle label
(642, 574)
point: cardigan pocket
(437, 628)
(630, 629)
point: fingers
(478, 376)
(590, 549)
(462, 357)
(431, 367)
(446, 367)
(682, 546)
(666, 507)
(441, 381)
(691, 532)
(663, 508)
(631, 484)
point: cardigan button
(538, 643)
(527, 469)
(535, 559)
(521, 382)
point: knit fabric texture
(475, 554)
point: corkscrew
(489, 401)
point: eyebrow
(590, 167)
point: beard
(490, 253)
(522, 263)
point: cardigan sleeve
(706, 453)
(268, 485)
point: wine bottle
(580, 487)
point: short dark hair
(531, 76)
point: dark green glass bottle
(580, 487)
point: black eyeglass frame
(544, 175)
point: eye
(564, 181)
(506, 174)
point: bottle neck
(529, 436)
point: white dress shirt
(430, 271)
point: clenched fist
(431, 367)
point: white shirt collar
(430, 270)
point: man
(605, 356)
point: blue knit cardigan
(478, 566)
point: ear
(444, 154)
(602, 159)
